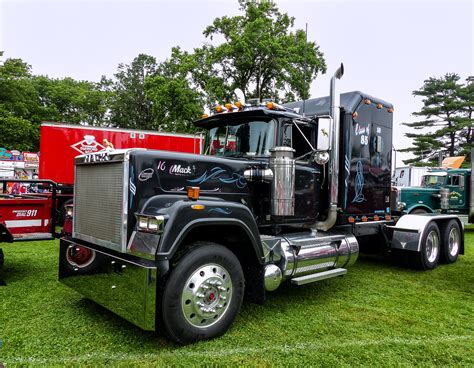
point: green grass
(376, 315)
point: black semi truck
(173, 241)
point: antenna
(305, 64)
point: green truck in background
(442, 190)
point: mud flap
(5, 235)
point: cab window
(456, 180)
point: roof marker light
(379, 106)
(193, 193)
(367, 101)
(354, 115)
(218, 109)
(390, 109)
(229, 107)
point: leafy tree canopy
(261, 55)
(129, 105)
(447, 109)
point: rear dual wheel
(428, 256)
(452, 237)
(203, 294)
(438, 245)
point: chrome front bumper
(124, 286)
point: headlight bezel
(150, 223)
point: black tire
(451, 242)
(428, 256)
(204, 265)
(418, 211)
(81, 260)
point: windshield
(252, 138)
(432, 180)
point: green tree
(71, 101)
(466, 121)
(19, 103)
(26, 100)
(18, 133)
(175, 103)
(447, 110)
(129, 105)
(260, 55)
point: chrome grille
(98, 204)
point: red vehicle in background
(33, 215)
(60, 143)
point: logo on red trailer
(88, 145)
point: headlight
(401, 206)
(69, 210)
(142, 223)
(152, 224)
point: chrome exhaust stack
(334, 155)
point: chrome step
(32, 236)
(318, 276)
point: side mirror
(324, 139)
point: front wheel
(203, 294)
(418, 211)
(451, 245)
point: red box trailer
(60, 143)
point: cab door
(456, 184)
(307, 176)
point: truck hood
(163, 172)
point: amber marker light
(351, 219)
(367, 101)
(198, 207)
(364, 218)
(193, 193)
(354, 115)
(376, 218)
(238, 104)
(229, 107)
(204, 116)
(390, 109)
(270, 105)
(218, 108)
(379, 106)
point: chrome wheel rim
(432, 246)
(206, 295)
(79, 257)
(453, 242)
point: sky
(388, 47)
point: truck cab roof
(321, 105)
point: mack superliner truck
(172, 242)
